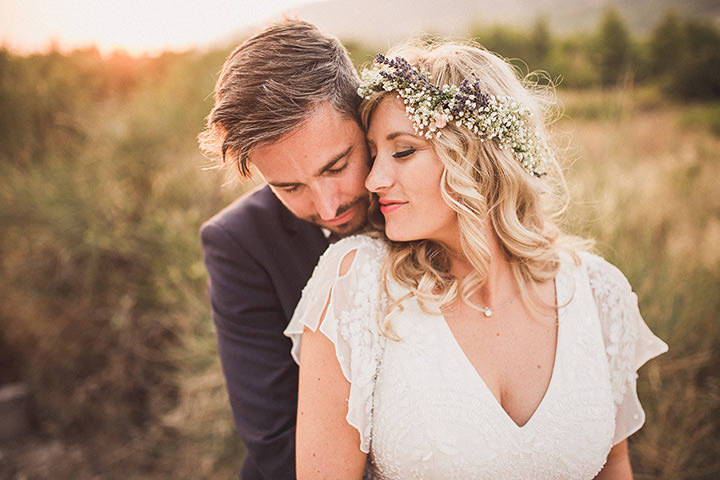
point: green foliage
(613, 49)
(691, 71)
(49, 100)
(704, 116)
(667, 45)
(570, 63)
(680, 56)
(360, 54)
(102, 276)
(529, 50)
(540, 40)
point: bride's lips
(344, 218)
(387, 206)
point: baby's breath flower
(431, 108)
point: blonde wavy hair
(481, 182)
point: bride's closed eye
(404, 153)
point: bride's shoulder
(603, 274)
(367, 240)
(363, 247)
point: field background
(104, 314)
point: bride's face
(406, 178)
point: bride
(469, 337)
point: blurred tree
(509, 42)
(667, 45)
(696, 74)
(517, 45)
(360, 53)
(614, 49)
(571, 63)
(540, 42)
(48, 100)
(537, 50)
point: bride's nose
(380, 176)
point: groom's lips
(342, 219)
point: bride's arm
(328, 447)
(617, 466)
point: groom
(286, 104)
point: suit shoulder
(250, 211)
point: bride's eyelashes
(404, 153)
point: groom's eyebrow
(329, 165)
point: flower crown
(431, 107)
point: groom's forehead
(311, 150)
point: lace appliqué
(629, 343)
(350, 322)
(615, 303)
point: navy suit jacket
(259, 256)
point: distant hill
(382, 22)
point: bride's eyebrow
(394, 135)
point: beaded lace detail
(351, 320)
(429, 415)
(629, 343)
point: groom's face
(318, 171)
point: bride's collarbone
(512, 352)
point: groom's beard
(354, 224)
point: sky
(137, 26)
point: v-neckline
(556, 364)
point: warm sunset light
(146, 285)
(133, 25)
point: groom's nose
(326, 201)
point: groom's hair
(271, 84)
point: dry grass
(646, 188)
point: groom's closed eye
(337, 170)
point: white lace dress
(422, 410)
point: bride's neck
(500, 281)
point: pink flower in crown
(441, 120)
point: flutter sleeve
(629, 343)
(350, 322)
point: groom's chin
(355, 224)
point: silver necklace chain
(488, 311)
